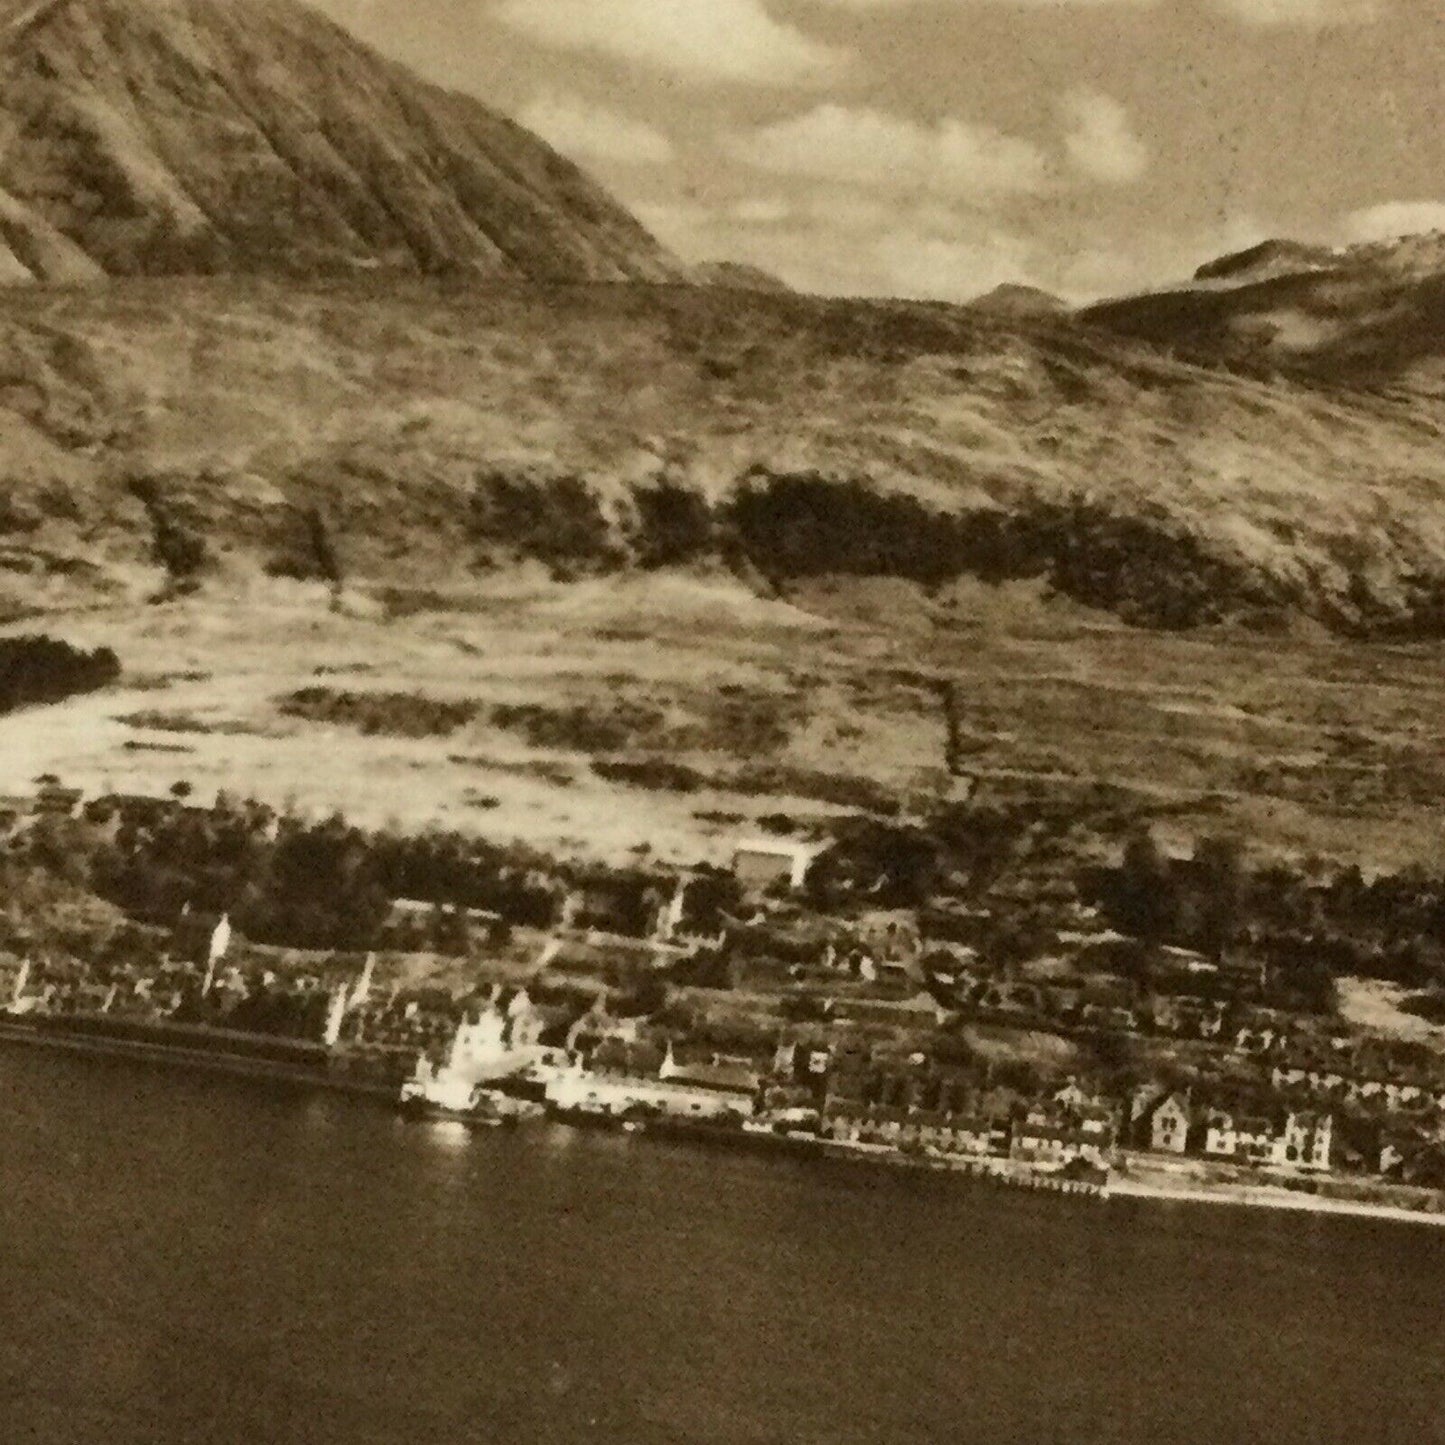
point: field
(730, 712)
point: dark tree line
(787, 525)
(39, 669)
(324, 885)
(1304, 924)
(388, 714)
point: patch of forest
(788, 526)
(36, 670)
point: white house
(761, 862)
(1169, 1126)
(1301, 1139)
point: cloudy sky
(936, 148)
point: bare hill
(1365, 317)
(155, 430)
(208, 136)
(1021, 301)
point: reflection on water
(449, 1135)
(205, 1261)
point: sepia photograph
(722, 722)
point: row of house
(1048, 1133)
(1392, 1094)
(1238, 1129)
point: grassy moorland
(669, 711)
(164, 436)
(611, 568)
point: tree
(1219, 873)
(647, 996)
(1143, 896)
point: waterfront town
(1038, 1023)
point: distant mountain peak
(175, 136)
(1013, 299)
(1372, 312)
(1274, 257)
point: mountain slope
(1368, 316)
(1268, 258)
(175, 136)
(415, 430)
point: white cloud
(1017, 4)
(760, 211)
(1393, 219)
(864, 247)
(858, 147)
(578, 128)
(1096, 263)
(1301, 12)
(704, 40)
(1257, 12)
(1100, 139)
(920, 266)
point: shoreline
(1266, 1196)
(1119, 1187)
(239, 1066)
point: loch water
(191, 1260)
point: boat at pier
(448, 1097)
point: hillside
(1019, 301)
(1364, 317)
(1268, 258)
(380, 506)
(206, 136)
(425, 430)
(310, 411)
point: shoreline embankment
(1124, 1186)
(207, 1060)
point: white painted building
(761, 862)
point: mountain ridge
(1367, 316)
(192, 136)
(444, 431)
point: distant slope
(210, 136)
(737, 276)
(1371, 315)
(1013, 300)
(1268, 258)
(402, 430)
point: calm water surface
(186, 1260)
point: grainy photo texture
(722, 722)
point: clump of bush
(580, 728)
(658, 775)
(176, 542)
(556, 520)
(673, 525)
(156, 721)
(37, 669)
(306, 550)
(1429, 1006)
(389, 714)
